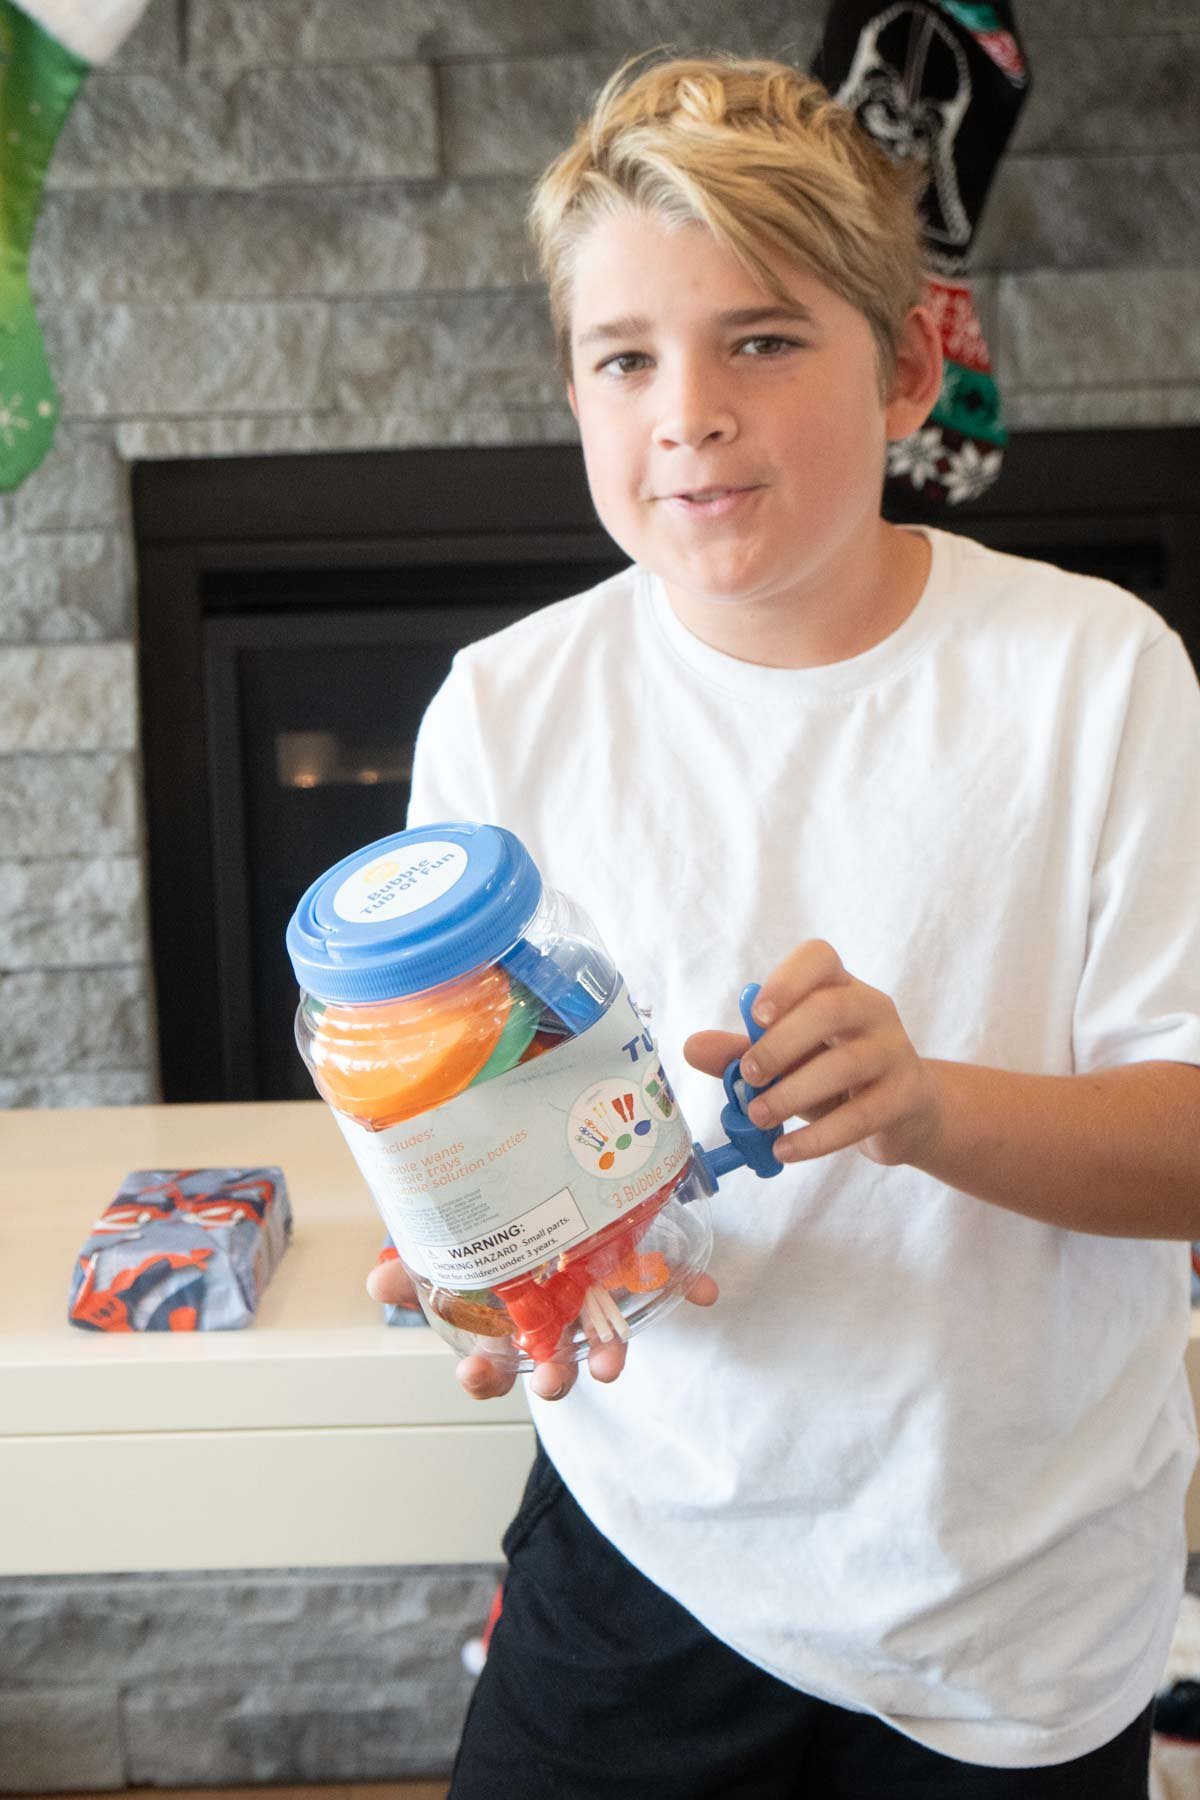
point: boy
(903, 1516)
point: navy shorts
(598, 1686)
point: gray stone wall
(290, 225)
(199, 1680)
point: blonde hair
(759, 153)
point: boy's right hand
(487, 1375)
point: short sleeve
(450, 778)
(1139, 995)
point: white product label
(510, 1173)
(393, 886)
(543, 1231)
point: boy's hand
(834, 1054)
(491, 1371)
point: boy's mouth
(711, 502)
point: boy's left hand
(834, 1053)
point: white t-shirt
(926, 1458)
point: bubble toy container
(503, 1097)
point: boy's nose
(693, 415)
(691, 433)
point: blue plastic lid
(413, 910)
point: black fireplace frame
(377, 511)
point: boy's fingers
(712, 1051)
(810, 965)
(390, 1284)
(605, 1361)
(806, 1031)
(871, 1110)
(551, 1381)
(703, 1291)
(818, 1084)
(485, 1377)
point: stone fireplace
(297, 614)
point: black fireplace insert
(298, 612)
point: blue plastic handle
(747, 1145)
(555, 980)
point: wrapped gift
(182, 1250)
(398, 1315)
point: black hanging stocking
(942, 81)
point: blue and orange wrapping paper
(398, 1315)
(182, 1250)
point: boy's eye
(767, 346)
(631, 362)
(622, 363)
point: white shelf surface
(316, 1436)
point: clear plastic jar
(501, 1094)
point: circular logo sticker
(394, 885)
(611, 1130)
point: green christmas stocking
(39, 79)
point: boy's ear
(571, 398)
(917, 381)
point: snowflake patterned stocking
(941, 81)
(39, 79)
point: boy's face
(739, 457)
